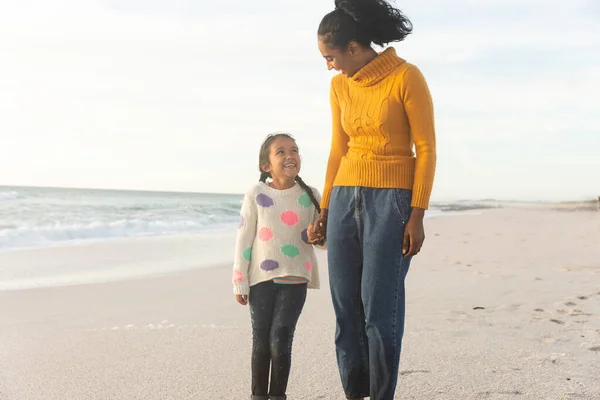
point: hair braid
(310, 193)
(264, 176)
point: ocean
(40, 217)
(35, 217)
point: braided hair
(263, 158)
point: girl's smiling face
(284, 160)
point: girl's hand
(242, 299)
(317, 232)
(414, 233)
(313, 237)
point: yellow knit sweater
(379, 115)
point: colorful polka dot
(242, 222)
(290, 251)
(289, 218)
(237, 276)
(304, 236)
(309, 266)
(264, 201)
(247, 253)
(269, 265)
(265, 234)
(304, 200)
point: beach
(501, 304)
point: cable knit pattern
(272, 240)
(380, 115)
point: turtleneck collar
(377, 69)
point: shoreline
(90, 261)
(113, 260)
(200, 250)
(438, 209)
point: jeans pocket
(401, 199)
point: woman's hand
(414, 233)
(242, 299)
(317, 232)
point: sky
(178, 95)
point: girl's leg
(261, 300)
(288, 306)
(385, 213)
(345, 255)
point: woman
(376, 188)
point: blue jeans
(367, 269)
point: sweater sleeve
(243, 246)
(419, 110)
(339, 146)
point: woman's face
(340, 60)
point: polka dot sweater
(272, 238)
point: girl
(376, 188)
(274, 263)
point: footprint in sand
(570, 304)
(410, 372)
(488, 394)
(581, 314)
(582, 297)
(557, 321)
(595, 348)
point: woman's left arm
(419, 110)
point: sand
(502, 305)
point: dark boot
(278, 397)
(253, 397)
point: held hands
(414, 233)
(317, 231)
(242, 299)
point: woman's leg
(261, 300)
(345, 254)
(384, 214)
(289, 302)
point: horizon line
(479, 199)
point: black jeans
(274, 309)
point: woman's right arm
(339, 147)
(243, 247)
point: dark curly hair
(365, 22)
(263, 158)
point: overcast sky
(178, 95)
